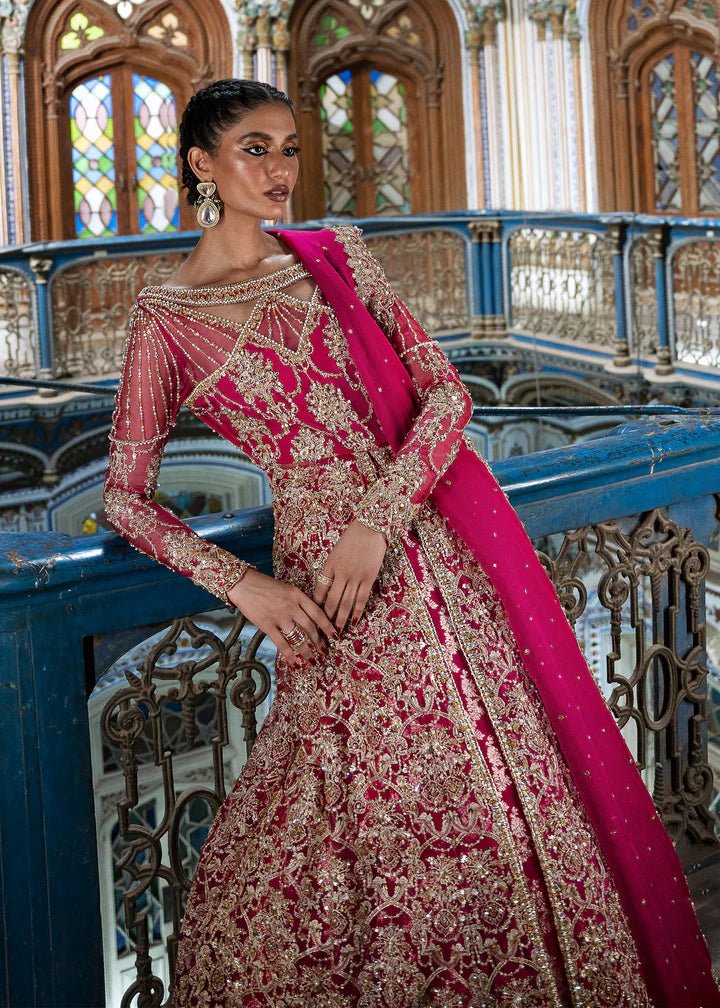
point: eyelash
(257, 147)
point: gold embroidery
(404, 833)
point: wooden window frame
(50, 80)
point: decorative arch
(555, 390)
(181, 44)
(345, 58)
(656, 85)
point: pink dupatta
(641, 857)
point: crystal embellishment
(208, 205)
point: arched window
(106, 79)
(378, 89)
(657, 93)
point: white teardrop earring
(208, 205)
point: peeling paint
(41, 568)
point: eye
(256, 150)
(291, 151)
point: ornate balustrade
(624, 524)
(633, 293)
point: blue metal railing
(59, 593)
(619, 288)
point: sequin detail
(404, 833)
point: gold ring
(324, 580)
(295, 637)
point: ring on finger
(295, 637)
(323, 579)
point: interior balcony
(130, 699)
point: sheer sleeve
(393, 501)
(149, 396)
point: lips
(278, 193)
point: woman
(439, 809)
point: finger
(317, 615)
(321, 590)
(332, 599)
(346, 604)
(295, 654)
(361, 598)
(309, 628)
(284, 649)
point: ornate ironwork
(696, 302)
(643, 576)
(562, 285)
(17, 328)
(139, 728)
(90, 303)
(649, 576)
(428, 270)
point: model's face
(256, 166)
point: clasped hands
(301, 626)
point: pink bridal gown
(406, 831)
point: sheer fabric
(407, 830)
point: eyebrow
(262, 136)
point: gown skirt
(406, 832)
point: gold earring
(208, 205)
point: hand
(353, 563)
(275, 607)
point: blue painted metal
(57, 591)
(44, 331)
(498, 305)
(662, 301)
(619, 290)
(486, 279)
(489, 293)
(475, 279)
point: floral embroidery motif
(403, 833)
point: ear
(199, 161)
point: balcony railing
(631, 292)
(624, 524)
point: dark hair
(215, 109)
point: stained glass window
(368, 8)
(169, 30)
(93, 158)
(155, 150)
(81, 31)
(124, 7)
(665, 140)
(329, 31)
(338, 135)
(390, 143)
(706, 88)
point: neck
(236, 243)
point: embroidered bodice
(265, 364)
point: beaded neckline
(243, 290)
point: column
(488, 315)
(572, 33)
(616, 237)
(492, 104)
(473, 41)
(664, 363)
(44, 348)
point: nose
(278, 167)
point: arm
(149, 396)
(393, 501)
